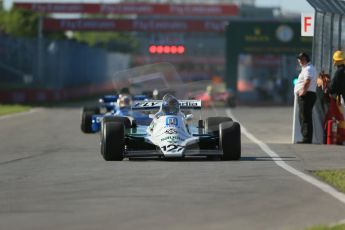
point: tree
(19, 22)
(23, 23)
(113, 41)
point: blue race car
(110, 106)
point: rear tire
(230, 140)
(113, 141)
(212, 123)
(86, 121)
(125, 120)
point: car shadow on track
(205, 159)
(267, 158)
(186, 159)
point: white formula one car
(170, 134)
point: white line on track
(281, 163)
(18, 114)
(337, 223)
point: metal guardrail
(328, 34)
(328, 37)
(63, 64)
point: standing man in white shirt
(305, 91)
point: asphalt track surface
(53, 177)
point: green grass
(336, 178)
(9, 109)
(322, 227)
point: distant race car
(171, 133)
(216, 94)
(92, 116)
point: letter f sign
(307, 24)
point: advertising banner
(134, 8)
(134, 25)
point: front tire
(86, 118)
(212, 123)
(230, 140)
(113, 141)
(86, 121)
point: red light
(173, 49)
(160, 49)
(167, 49)
(153, 49)
(180, 49)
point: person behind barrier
(323, 82)
(322, 93)
(337, 86)
(305, 89)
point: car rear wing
(156, 104)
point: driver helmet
(124, 101)
(170, 105)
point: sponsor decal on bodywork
(171, 121)
(172, 138)
(171, 131)
(189, 104)
(155, 104)
(147, 104)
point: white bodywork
(170, 134)
(156, 104)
